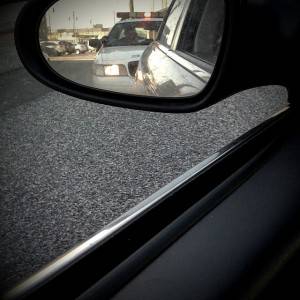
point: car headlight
(139, 75)
(112, 70)
(109, 70)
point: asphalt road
(69, 167)
(77, 71)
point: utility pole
(43, 32)
(131, 6)
(53, 10)
(74, 23)
(49, 23)
(91, 26)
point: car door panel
(240, 246)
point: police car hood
(120, 54)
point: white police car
(116, 62)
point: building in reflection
(78, 35)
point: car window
(133, 33)
(202, 31)
(169, 30)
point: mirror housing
(95, 43)
(253, 53)
(104, 40)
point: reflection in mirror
(126, 46)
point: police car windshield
(133, 33)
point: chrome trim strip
(197, 71)
(72, 256)
(202, 74)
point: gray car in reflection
(53, 48)
(182, 60)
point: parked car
(80, 48)
(53, 48)
(49, 51)
(46, 56)
(227, 229)
(117, 60)
(70, 48)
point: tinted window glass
(203, 30)
(133, 33)
(172, 22)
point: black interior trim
(243, 249)
(106, 287)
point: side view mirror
(131, 43)
(104, 40)
(202, 52)
(95, 43)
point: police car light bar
(140, 15)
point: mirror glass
(159, 48)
